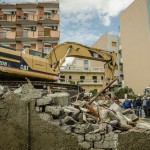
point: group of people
(138, 103)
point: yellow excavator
(15, 65)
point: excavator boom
(71, 49)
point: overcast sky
(84, 21)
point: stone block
(92, 137)
(100, 144)
(68, 120)
(80, 138)
(2, 90)
(82, 129)
(45, 101)
(38, 109)
(86, 145)
(55, 111)
(67, 129)
(45, 117)
(60, 99)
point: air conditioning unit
(33, 28)
(54, 28)
(54, 11)
(13, 12)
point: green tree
(120, 92)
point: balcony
(81, 69)
(49, 35)
(26, 35)
(7, 18)
(7, 36)
(27, 17)
(50, 18)
(81, 82)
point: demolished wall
(32, 120)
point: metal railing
(7, 35)
(80, 81)
(27, 34)
(51, 33)
(29, 17)
(8, 17)
(84, 69)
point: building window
(70, 77)
(114, 44)
(86, 69)
(102, 77)
(62, 78)
(95, 79)
(86, 62)
(82, 78)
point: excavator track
(41, 84)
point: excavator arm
(71, 49)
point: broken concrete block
(67, 129)
(71, 111)
(60, 99)
(85, 145)
(45, 101)
(82, 129)
(68, 120)
(2, 90)
(34, 94)
(128, 111)
(92, 137)
(38, 109)
(45, 117)
(100, 144)
(27, 88)
(143, 125)
(80, 138)
(116, 107)
(18, 91)
(55, 111)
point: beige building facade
(135, 43)
(32, 25)
(87, 73)
(110, 42)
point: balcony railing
(78, 69)
(27, 34)
(80, 81)
(7, 35)
(8, 17)
(55, 17)
(29, 17)
(51, 33)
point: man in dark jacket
(148, 107)
(139, 107)
(134, 103)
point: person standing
(148, 107)
(127, 104)
(139, 107)
(144, 106)
(134, 103)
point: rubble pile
(96, 125)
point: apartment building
(33, 25)
(87, 73)
(135, 41)
(111, 43)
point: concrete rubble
(96, 126)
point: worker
(127, 104)
(139, 106)
(144, 106)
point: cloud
(84, 10)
